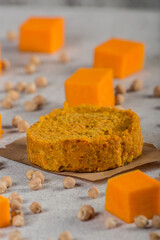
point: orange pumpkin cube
(39, 34)
(90, 86)
(0, 125)
(132, 194)
(123, 56)
(0, 62)
(4, 212)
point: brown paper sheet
(17, 151)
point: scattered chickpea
(11, 35)
(16, 120)
(65, 236)
(35, 184)
(5, 63)
(7, 180)
(69, 182)
(35, 207)
(3, 187)
(38, 174)
(15, 235)
(30, 68)
(136, 85)
(120, 89)
(7, 103)
(110, 222)
(35, 60)
(30, 106)
(86, 212)
(119, 107)
(141, 221)
(119, 99)
(15, 205)
(41, 82)
(156, 221)
(39, 100)
(29, 174)
(18, 221)
(154, 236)
(64, 58)
(15, 196)
(13, 95)
(23, 126)
(21, 86)
(93, 192)
(16, 212)
(31, 88)
(8, 86)
(157, 91)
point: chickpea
(35, 60)
(13, 95)
(7, 103)
(110, 223)
(41, 82)
(8, 86)
(23, 126)
(64, 58)
(69, 182)
(7, 180)
(65, 236)
(157, 91)
(30, 106)
(141, 221)
(5, 63)
(156, 221)
(154, 235)
(35, 207)
(18, 221)
(35, 184)
(15, 205)
(136, 85)
(93, 192)
(16, 120)
(11, 35)
(119, 99)
(29, 174)
(15, 196)
(39, 100)
(120, 89)
(21, 86)
(31, 88)
(38, 174)
(3, 187)
(15, 235)
(30, 68)
(86, 212)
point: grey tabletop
(85, 28)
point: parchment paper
(16, 151)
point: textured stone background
(144, 4)
(85, 28)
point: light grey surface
(85, 28)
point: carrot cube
(4, 212)
(132, 194)
(39, 34)
(90, 86)
(123, 56)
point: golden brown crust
(85, 139)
